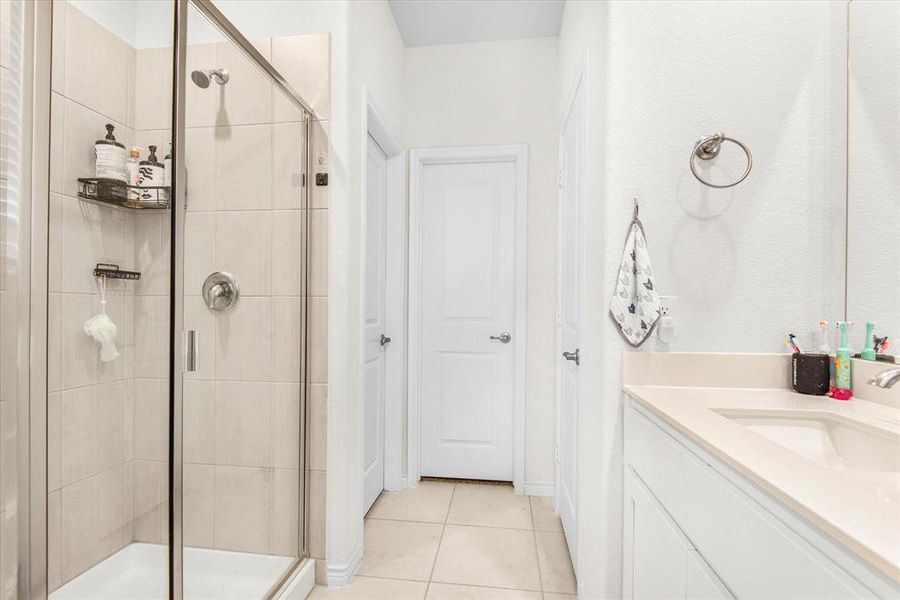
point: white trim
(376, 126)
(540, 488)
(339, 575)
(431, 156)
(301, 583)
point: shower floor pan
(140, 571)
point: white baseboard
(539, 488)
(301, 583)
(339, 575)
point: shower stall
(163, 435)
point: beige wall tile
(199, 250)
(244, 341)
(320, 144)
(152, 92)
(54, 441)
(129, 419)
(199, 421)
(284, 528)
(287, 257)
(58, 67)
(317, 425)
(287, 165)
(243, 246)
(91, 234)
(79, 542)
(57, 138)
(199, 505)
(200, 163)
(287, 313)
(109, 511)
(316, 507)
(285, 433)
(8, 551)
(147, 500)
(79, 434)
(83, 127)
(151, 352)
(151, 409)
(54, 342)
(110, 425)
(317, 365)
(8, 455)
(305, 61)
(242, 509)
(54, 540)
(103, 85)
(151, 253)
(247, 97)
(318, 252)
(243, 163)
(242, 430)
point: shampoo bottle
(842, 361)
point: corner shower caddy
(117, 193)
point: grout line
(454, 524)
(537, 555)
(440, 541)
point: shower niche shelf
(116, 193)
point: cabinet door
(701, 582)
(655, 563)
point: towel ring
(708, 148)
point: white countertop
(861, 510)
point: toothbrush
(868, 352)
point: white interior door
(570, 316)
(375, 336)
(467, 309)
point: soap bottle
(152, 174)
(110, 157)
(132, 169)
(842, 361)
(868, 352)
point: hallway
(446, 540)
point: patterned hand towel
(635, 302)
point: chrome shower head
(202, 78)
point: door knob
(384, 341)
(574, 356)
(503, 338)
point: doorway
(467, 306)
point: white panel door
(374, 326)
(570, 254)
(468, 301)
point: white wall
(492, 93)
(749, 264)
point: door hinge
(556, 452)
(559, 179)
(559, 317)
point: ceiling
(428, 22)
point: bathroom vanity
(743, 492)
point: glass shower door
(244, 278)
(109, 301)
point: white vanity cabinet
(693, 528)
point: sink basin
(825, 438)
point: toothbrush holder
(810, 373)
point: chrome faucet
(887, 378)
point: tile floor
(449, 541)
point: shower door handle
(190, 351)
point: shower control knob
(221, 291)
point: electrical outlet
(668, 306)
